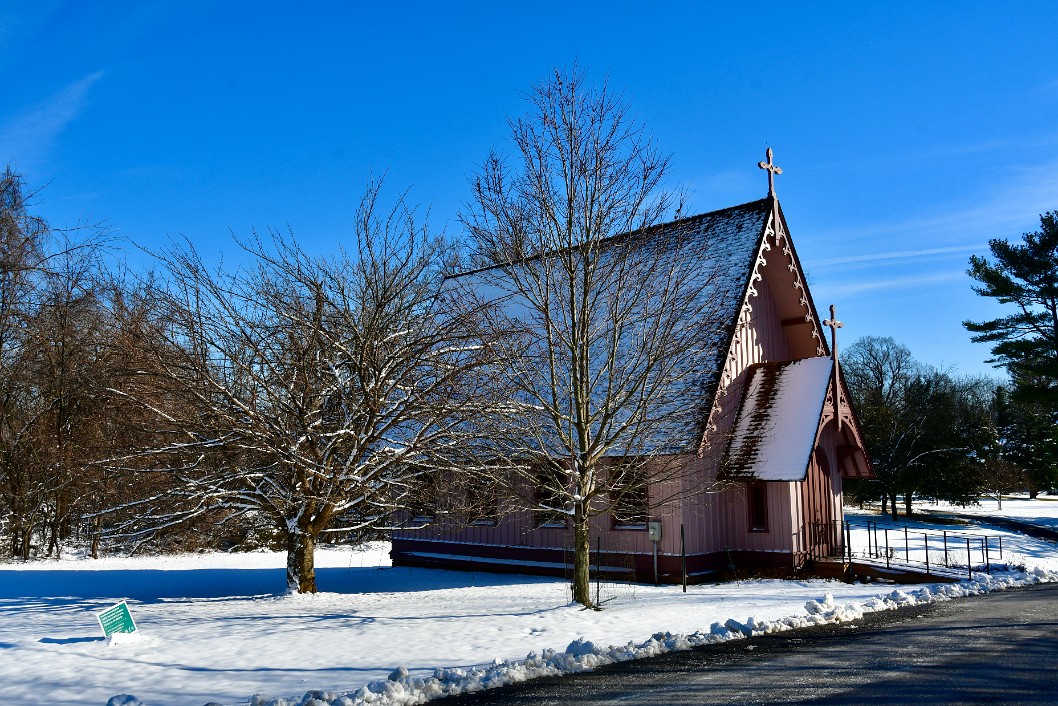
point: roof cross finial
(834, 325)
(772, 170)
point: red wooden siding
(821, 499)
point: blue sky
(909, 133)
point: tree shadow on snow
(149, 585)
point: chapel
(763, 480)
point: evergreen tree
(1029, 440)
(1025, 342)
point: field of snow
(212, 627)
(1017, 549)
(1042, 511)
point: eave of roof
(685, 222)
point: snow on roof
(777, 423)
(720, 245)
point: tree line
(934, 434)
(938, 435)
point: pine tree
(1029, 440)
(1025, 342)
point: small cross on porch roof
(834, 325)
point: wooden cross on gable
(834, 325)
(772, 170)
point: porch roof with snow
(775, 431)
(783, 408)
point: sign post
(116, 619)
(654, 535)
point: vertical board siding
(517, 528)
(734, 532)
(821, 496)
(767, 324)
(719, 521)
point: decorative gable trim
(777, 229)
(853, 461)
(773, 236)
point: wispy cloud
(1048, 88)
(1004, 209)
(900, 162)
(846, 289)
(896, 256)
(28, 137)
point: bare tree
(306, 390)
(607, 320)
(22, 252)
(924, 428)
(67, 345)
(126, 335)
(878, 372)
(50, 347)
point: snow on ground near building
(213, 629)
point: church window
(757, 500)
(423, 494)
(549, 496)
(482, 502)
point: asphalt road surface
(998, 648)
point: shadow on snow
(147, 585)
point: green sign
(116, 619)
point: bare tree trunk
(581, 557)
(96, 523)
(53, 540)
(301, 571)
(908, 497)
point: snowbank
(404, 688)
(214, 629)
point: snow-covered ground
(1042, 511)
(1003, 546)
(213, 629)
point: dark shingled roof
(729, 239)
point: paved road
(997, 648)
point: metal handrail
(903, 546)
